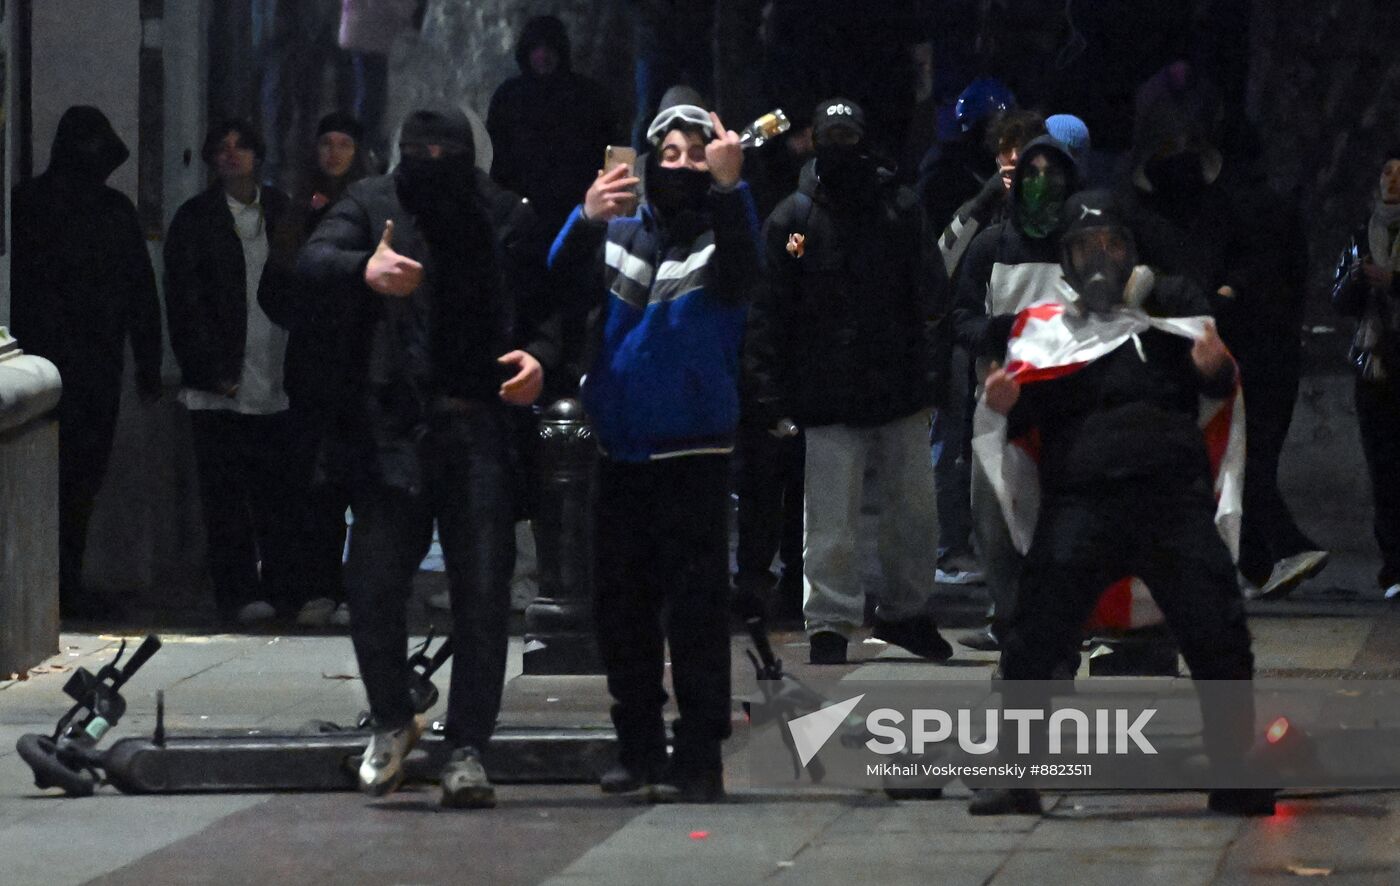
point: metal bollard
(559, 634)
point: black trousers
(321, 503)
(466, 488)
(1378, 413)
(662, 576)
(250, 507)
(1164, 533)
(1269, 532)
(769, 484)
(87, 425)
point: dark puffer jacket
(391, 369)
(848, 329)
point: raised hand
(724, 155)
(1209, 352)
(611, 194)
(389, 273)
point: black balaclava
(85, 147)
(1100, 275)
(850, 174)
(437, 190)
(679, 198)
(1179, 174)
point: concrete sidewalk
(574, 835)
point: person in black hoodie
(549, 125)
(81, 285)
(217, 281)
(841, 344)
(312, 369)
(1236, 240)
(422, 267)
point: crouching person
(1112, 383)
(423, 266)
(662, 393)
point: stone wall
(467, 48)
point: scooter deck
(256, 762)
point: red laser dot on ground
(699, 835)
(1277, 730)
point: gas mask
(1098, 262)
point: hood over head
(1035, 210)
(543, 30)
(1177, 114)
(85, 145)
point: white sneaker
(1292, 571)
(441, 600)
(464, 782)
(316, 613)
(341, 617)
(257, 611)
(955, 576)
(1393, 592)
(381, 770)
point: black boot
(625, 778)
(697, 772)
(919, 635)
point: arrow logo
(811, 731)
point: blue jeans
(950, 443)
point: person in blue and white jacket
(661, 391)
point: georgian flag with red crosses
(1046, 342)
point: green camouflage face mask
(1042, 202)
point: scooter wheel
(40, 752)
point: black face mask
(1102, 282)
(1176, 175)
(677, 192)
(848, 172)
(434, 189)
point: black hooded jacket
(1005, 270)
(847, 329)
(395, 360)
(81, 281)
(549, 133)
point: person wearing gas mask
(1191, 221)
(81, 286)
(1125, 478)
(842, 344)
(421, 268)
(670, 286)
(1009, 266)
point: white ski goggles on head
(680, 115)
